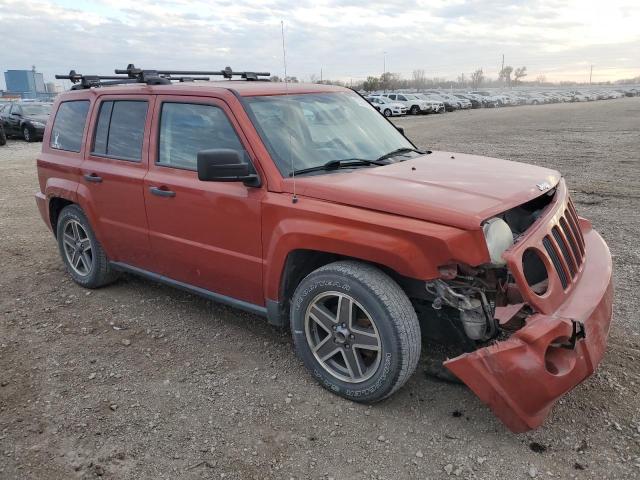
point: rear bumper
(521, 378)
(43, 207)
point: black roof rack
(131, 74)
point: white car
(387, 107)
(435, 105)
(414, 104)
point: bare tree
(519, 73)
(419, 79)
(389, 81)
(541, 79)
(371, 84)
(505, 75)
(476, 78)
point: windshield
(36, 109)
(309, 130)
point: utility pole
(320, 74)
(502, 67)
(384, 62)
(590, 74)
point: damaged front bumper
(522, 377)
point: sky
(346, 40)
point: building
(26, 83)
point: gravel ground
(138, 380)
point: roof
(241, 87)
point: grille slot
(555, 259)
(564, 249)
(571, 239)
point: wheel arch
(300, 262)
(56, 204)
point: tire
(3, 137)
(27, 134)
(387, 112)
(77, 240)
(415, 110)
(384, 316)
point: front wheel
(355, 330)
(3, 136)
(26, 134)
(415, 110)
(387, 112)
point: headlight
(499, 238)
(37, 124)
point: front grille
(564, 245)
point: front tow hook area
(578, 333)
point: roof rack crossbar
(132, 71)
(151, 77)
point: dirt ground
(138, 380)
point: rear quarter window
(68, 126)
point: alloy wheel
(343, 337)
(27, 134)
(77, 248)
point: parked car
(413, 103)
(488, 99)
(387, 106)
(475, 103)
(322, 216)
(25, 119)
(449, 104)
(435, 105)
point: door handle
(162, 192)
(92, 177)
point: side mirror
(400, 129)
(225, 165)
(16, 114)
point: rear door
(113, 172)
(206, 234)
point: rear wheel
(355, 330)
(3, 136)
(81, 252)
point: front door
(113, 173)
(205, 234)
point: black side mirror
(225, 165)
(400, 129)
(16, 114)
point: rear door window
(68, 127)
(120, 129)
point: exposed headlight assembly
(499, 238)
(37, 124)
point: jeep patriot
(303, 204)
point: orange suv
(304, 204)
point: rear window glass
(120, 129)
(68, 126)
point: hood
(451, 189)
(37, 118)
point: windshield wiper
(398, 151)
(336, 164)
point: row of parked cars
(23, 119)
(437, 101)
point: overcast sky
(347, 39)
